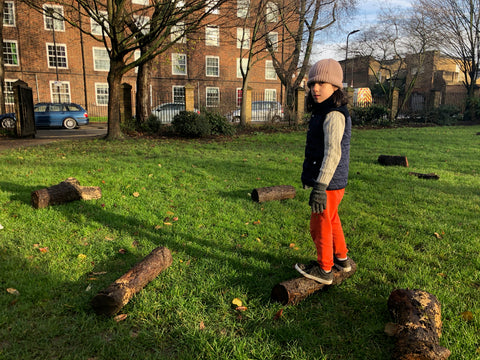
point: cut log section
(389, 160)
(118, 294)
(270, 193)
(66, 191)
(431, 176)
(291, 292)
(417, 327)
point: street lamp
(346, 56)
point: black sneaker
(342, 265)
(315, 272)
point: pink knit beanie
(327, 70)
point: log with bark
(66, 191)
(430, 176)
(392, 160)
(292, 291)
(417, 327)
(269, 193)
(112, 299)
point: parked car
(67, 115)
(270, 111)
(166, 112)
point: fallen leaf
(175, 218)
(292, 245)
(136, 194)
(108, 238)
(442, 275)
(201, 325)
(437, 235)
(256, 222)
(158, 227)
(13, 291)
(467, 315)
(1, 226)
(237, 302)
(278, 314)
(241, 308)
(167, 223)
(43, 249)
(169, 213)
(258, 239)
(120, 317)
(122, 251)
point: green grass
(225, 246)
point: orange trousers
(327, 233)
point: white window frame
(64, 96)
(214, 67)
(243, 7)
(177, 33)
(270, 95)
(176, 95)
(244, 66)
(272, 38)
(243, 38)
(270, 73)
(140, 2)
(209, 91)
(143, 23)
(271, 12)
(212, 35)
(99, 60)
(95, 27)
(177, 66)
(56, 49)
(211, 7)
(101, 97)
(8, 91)
(58, 24)
(9, 13)
(12, 54)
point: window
(179, 64)
(271, 12)
(242, 8)
(140, 2)
(9, 98)
(243, 66)
(8, 13)
(136, 55)
(143, 23)
(10, 55)
(101, 93)
(57, 58)
(177, 33)
(270, 73)
(272, 40)
(270, 95)
(212, 66)
(211, 6)
(53, 17)
(95, 27)
(60, 91)
(243, 38)
(101, 61)
(212, 36)
(213, 96)
(179, 3)
(178, 94)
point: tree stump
(390, 160)
(66, 191)
(118, 294)
(417, 327)
(269, 193)
(291, 292)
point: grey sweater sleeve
(333, 128)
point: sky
(327, 45)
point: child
(325, 169)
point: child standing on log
(325, 169)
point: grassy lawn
(194, 198)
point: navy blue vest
(314, 149)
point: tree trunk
(418, 327)
(114, 79)
(66, 191)
(291, 292)
(118, 294)
(279, 192)
(142, 97)
(389, 160)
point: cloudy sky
(327, 45)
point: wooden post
(269, 193)
(118, 294)
(189, 97)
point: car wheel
(69, 123)
(8, 123)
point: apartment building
(60, 63)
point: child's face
(322, 91)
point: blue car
(67, 115)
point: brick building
(61, 64)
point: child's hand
(318, 198)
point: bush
(191, 124)
(443, 115)
(475, 103)
(371, 115)
(219, 124)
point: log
(430, 176)
(66, 191)
(280, 192)
(292, 291)
(390, 160)
(417, 327)
(110, 300)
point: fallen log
(430, 176)
(66, 191)
(417, 327)
(292, 291)
(110, 300)
(280, 192)
(390, 160)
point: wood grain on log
(390, 160)
(291, 292)
(418, 325)
(269, 193)
(118, 294)
(66, 191)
